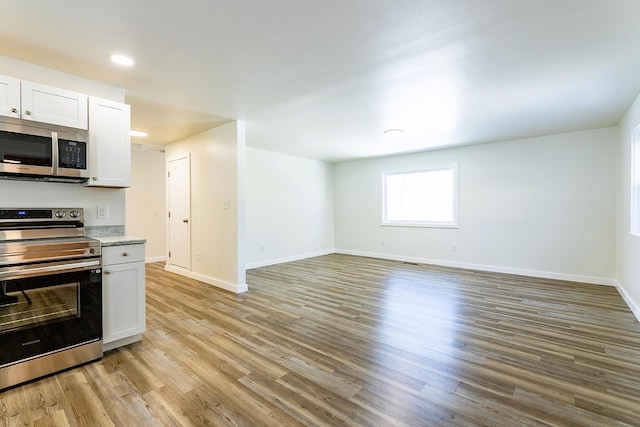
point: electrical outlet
(381, 242)
(261, 248)
(454, 248)
(103, 212)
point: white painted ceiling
(324, 78)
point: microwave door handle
(54, 151)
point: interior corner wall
(146, 212)
(540, 206)
(628, 246)
(216, 231)
(289, 208)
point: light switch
(227, 204)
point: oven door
(48, 307)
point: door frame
(169, 265)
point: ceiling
(324, 78)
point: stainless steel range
(50, 293)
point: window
(421, 198)
(635, 182)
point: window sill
(419, 224)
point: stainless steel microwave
(42, 152)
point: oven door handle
(25, 271)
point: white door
(179, 200)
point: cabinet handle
(27, 113)
(14, 110)
(107, 272)
(125, 253)
(185, 220)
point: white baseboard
(155, 259)
(258, 264)
(238, 289)
(633, 306)
(483, 267)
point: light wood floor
(341, 340)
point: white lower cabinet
(123, 295)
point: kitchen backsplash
(104, 230)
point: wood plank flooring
(342, 340)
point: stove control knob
(60, 214)
(74, 214)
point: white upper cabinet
(40, 103)
(109, 143)
(108, 123)
(47, 104)
(9, 96)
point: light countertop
(119, 240)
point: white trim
(187, 157)
(490, 268)
(257, 264)
(419, 224)
(635, 308)
(155, 259)
(238, 289)
(455, 223)
(634, 214)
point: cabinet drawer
(122, 254)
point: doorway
(179, 204)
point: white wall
(145, 200)
(46, 194)
(289, 208)
(540, 206)
(217, 175)
(28, 194)
(47, 76)
(628, 246)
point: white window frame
(634, 223)
(430, 224)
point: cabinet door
(123, 301)
(9, 96)
(47, 104)
(110, 144)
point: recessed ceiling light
(393, 132)
(122, 60)
(138, 133)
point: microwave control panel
(72, 154)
